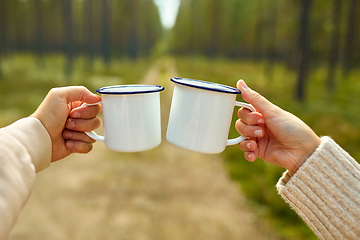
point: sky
(168, 10)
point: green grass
(336, 115)
(25, 80)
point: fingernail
(261, 121)
(258, 133)
(248, 145)
(243, 84)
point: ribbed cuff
(325, 192)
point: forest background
(303, 55)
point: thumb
(79, 93)
(259, 102)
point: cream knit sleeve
(25, 148)
(325, 192)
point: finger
(78, 146)
(75, 104)
(76, 93)
(248, 145)
(80, 93)
(78, 136)
(87, 112)
(82, 125)
(250, 156)
(259, 102)
(251, 118)
(250, 149)
(249, 130)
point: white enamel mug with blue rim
(200, 115)
(131, 117)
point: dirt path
(166, 193)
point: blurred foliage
(124, 27)
(302, 35)
(336, 115)
(24, 84)
(260, 29)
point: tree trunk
(334, 48)
(272, 43)
(193, 27)
(215, 28)
(350, 35)
(304, 43)
(3, 31)
(89, 33)
(258, 34)
(39, 32)
(105, 32)
(133, 46)
(68, 36)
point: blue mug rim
(205, 85)
(130, 89)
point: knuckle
(97, 122)
(246, 132)
(55, 91)
(83, 147)
(98, 108)
(241, 113)
(238, 125)
(245, 116)
(243, 146)
(242, 128)
(82, 88)
(88, 148)
(256, 96)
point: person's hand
(66, 121)
(273, 134)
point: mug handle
(92, 134)
(240, 138)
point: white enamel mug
(131, 117)
(200, 115)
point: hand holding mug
(66, 121)
(274, 135)
(131, 117)
(200, 115)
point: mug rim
(201, 84)
(130, 89)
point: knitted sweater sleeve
(25, 148)
(325, 192)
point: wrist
(309, 150)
